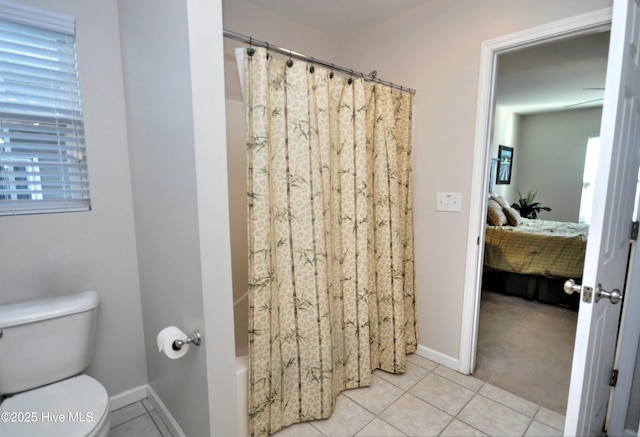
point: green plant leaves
(527, 207)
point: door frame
(592, 22)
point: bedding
(537, 247)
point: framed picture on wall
(505, 159)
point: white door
(609, 233)
(626, 352)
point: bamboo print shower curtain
(331, 272)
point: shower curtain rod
(371, 77)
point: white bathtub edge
(242, 369)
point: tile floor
(428, 400)
(137, 420)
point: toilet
(45, 344)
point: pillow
(513, 216)
(501, 201)
(495, 215)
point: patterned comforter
(537, 247)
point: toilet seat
(74, 407)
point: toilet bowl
(45, 345)
(74, 407)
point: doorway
(586, 25)
(548, 102)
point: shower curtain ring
(250, 50)
(331, 73)
(289, 62)
(312, 68)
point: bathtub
(242, 369)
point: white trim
(582, 24)
(437, 357)
(477, 203)
(128, 397)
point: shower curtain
(331, 270)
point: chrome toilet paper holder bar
(194, 339)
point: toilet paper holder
(194, 339)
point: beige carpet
(526, 348)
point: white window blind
(43, 165)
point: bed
(533, 259)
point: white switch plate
(451, 202)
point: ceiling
(564, 74)
(554, 76)
(338, 17)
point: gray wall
(54, 254)
(506, 127)
(175, 256)
(550, 159)
(172, 56)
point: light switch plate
(451, 202)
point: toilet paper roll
(166, 337)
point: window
(588, 178)
(43, 165)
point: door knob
(614, 295)
(571, 287)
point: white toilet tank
(46, 340)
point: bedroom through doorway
(547, 104)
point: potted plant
(527, 207)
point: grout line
(528, 426)
(366, 424)
(406, 391)
(149, 411)
(132, 418)
(510, 407)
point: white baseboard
(164, 413)
(128, 397)
(437, 357)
